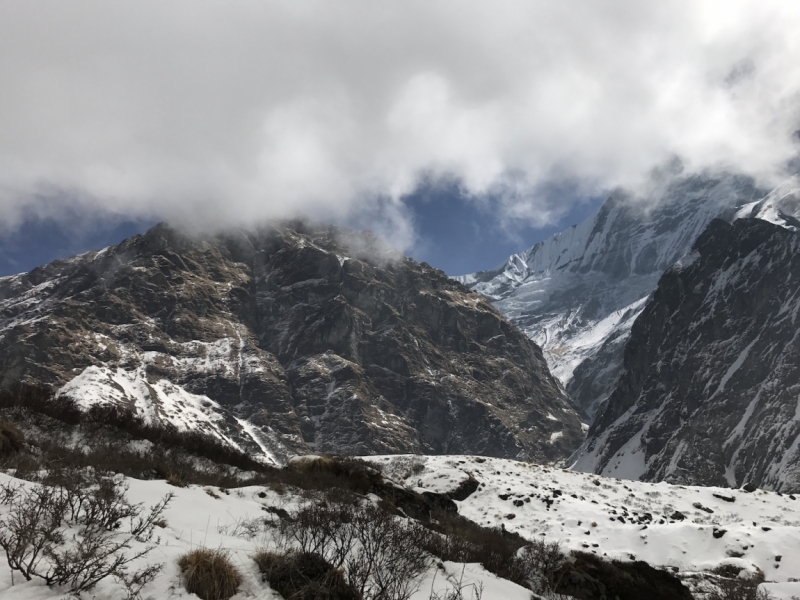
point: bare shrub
(304, 576)
(209, 573)
(737, 589)
(39, 399)
(458, 590)
(32, 530)
(32, 534)
(11, 438)
(8, 492)
(727, 584)
(36, 401)
(389, 556)
(462, 540)
(405, 467)
(105, 505)
(381, 555)
(247, 529)
(322, 529)
(94, 556)
(326, 473)
(627, 580)
(135, 582)
(142, 525)
(543, 564)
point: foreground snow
(196, 518)
(620, 519)
(613, 518)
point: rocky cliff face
(709, 391)
(578, 293)
(284, 340)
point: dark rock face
(283, 340)
(712, 369)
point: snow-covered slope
(709, 391)
(609, 517)
(578, 293)
(213, 518)
(687, 528)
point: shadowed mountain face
(709, 390)
(283, 340)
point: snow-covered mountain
(283, 340)
(578, 293)
(781, 206)
(709, 390)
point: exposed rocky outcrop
(283, 340)
(709, 391)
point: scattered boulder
(699, 506)
(725, 498)
(465, 489)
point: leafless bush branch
(458, 590)
(543, 564)
(32, 534)
(380, 554)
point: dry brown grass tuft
(210, 574)
(175, 481)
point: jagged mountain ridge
(283, 340)
(578, 293)
(709, 392)
(781, 206)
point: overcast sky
(221, 113)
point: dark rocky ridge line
(708, 395)
(286, 339)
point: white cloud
(228, 112)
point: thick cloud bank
(225, 112)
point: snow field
(620, 519)
(197, 518)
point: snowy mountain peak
(781, 206)
(577, 293)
